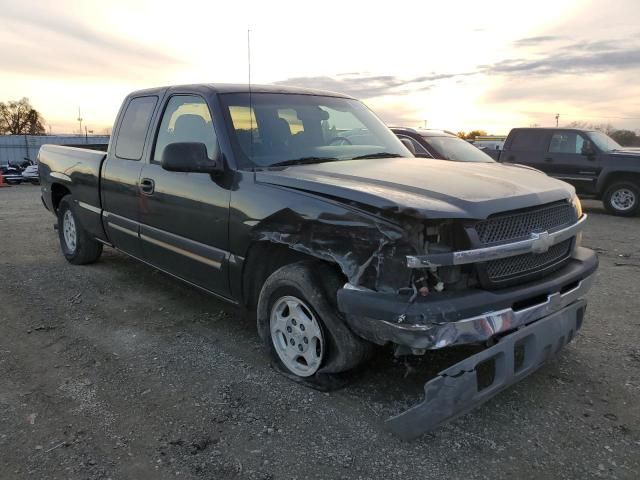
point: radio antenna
(250, 100)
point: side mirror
(587, 148)
(409, 144)
(190, 157)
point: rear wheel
(302, 327)
(77, 245)
(622, 198)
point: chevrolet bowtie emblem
(541, 242)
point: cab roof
(222, 88)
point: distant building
(15, 149)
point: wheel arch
(617, 176)
(265, 257)
(58, 192)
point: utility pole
(557, 119)
(80, 120)
(425, 124)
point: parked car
(439, 144)
(30, 174)
(594, 163)
(305, 208)
(11, 174)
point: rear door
(121, 172)
(185, 216)
(527, 147)
(567, 162)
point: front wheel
(622, 198)
(296, 336)
(77, 245)
(299, 321)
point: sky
(460, 65)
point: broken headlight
(441, 237)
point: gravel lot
(117, 371)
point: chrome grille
(505, 268)
(511, 227)
(519, 225)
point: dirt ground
(117, 371)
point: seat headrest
(190, 127)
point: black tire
(622, 194)
(86, 249)
(315, 284)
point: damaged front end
(525, 302)
(512, 282)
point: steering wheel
(340, 141)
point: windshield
(281, 129)
(604, 142)
(454, 148)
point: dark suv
(590, 160)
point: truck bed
(77, 166)
(77, 170)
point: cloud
(362, 85)
(535, 41)
(572, 59)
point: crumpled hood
(427, 187)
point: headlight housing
(577, 205)
(578, 208)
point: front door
(185, 216)
(568, 162)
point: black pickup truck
(302, 206)
(590, 160)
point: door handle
(147, 186)
(548, 159)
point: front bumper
(457, 389)
(462, 318)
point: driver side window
(566, 142)
(185, 119)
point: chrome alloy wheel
(69, 231)
(623, 199)
(296, 336)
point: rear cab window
(133, 128)
(529, 141)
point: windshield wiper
(376, 155)
(303, 161)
